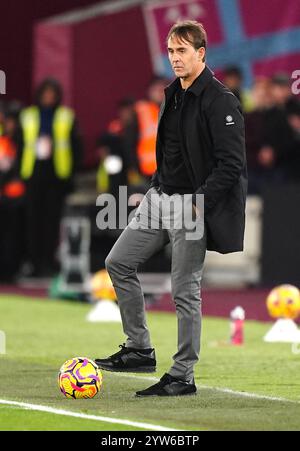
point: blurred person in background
(13, 130)
(277, 132)
(261, 97)
(255, 134)
(292, 161)
(115, 148)
(12, 191)
(268, 133)
(233, 79)
(281, 91)
(12, 127)
(2, 112)
(50, 155)
(143, 159)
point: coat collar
(196, 88)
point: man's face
(49, 98)
(232, 82)
(294, 121)
(185, 60)
(280, 93)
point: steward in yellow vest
(50, 153)
(56, 146)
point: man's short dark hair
(233, 71)
(281, 79)
(49, 83)
(190, 31)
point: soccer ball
(79, 378)
(284, 302)
(292, 303)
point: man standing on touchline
(200, 150)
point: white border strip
(68, 413)
(153, 39)
(229, 391)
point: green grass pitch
(42, 334)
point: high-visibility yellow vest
(103, 183)
(1, 130)
(62, 151)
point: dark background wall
(16, 33)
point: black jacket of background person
(211, 128)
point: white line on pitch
(68, 413)
(218, 389)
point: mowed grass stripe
(218, 389)
(14, 418)
(69, 413)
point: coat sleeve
(154, 180)
(226, 127)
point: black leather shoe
(169, 386)
(129, 360)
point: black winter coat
(212, 135)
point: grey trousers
(137, 243)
